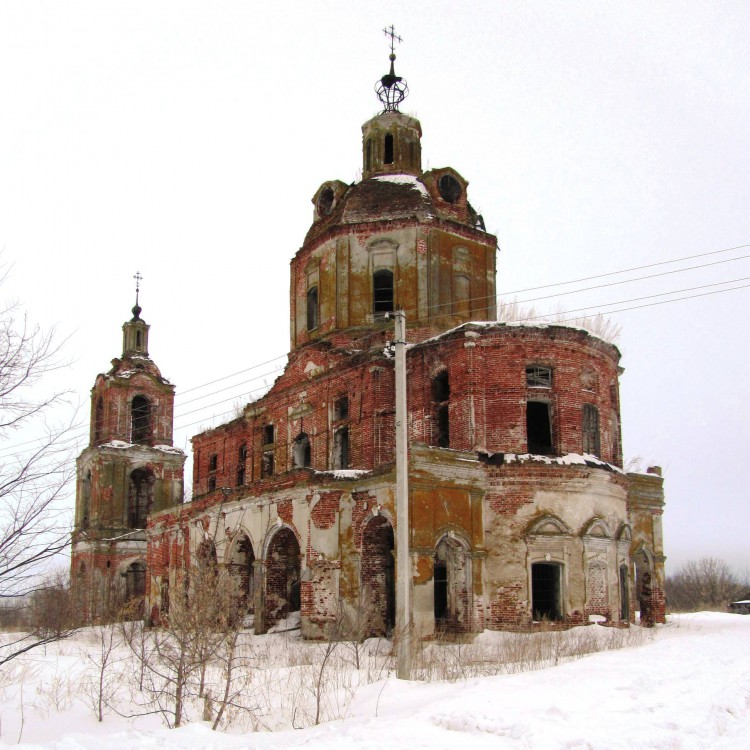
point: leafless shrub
(707, 583)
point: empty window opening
(268, 435)
(440, 388)
(140, 498)
(241, 461)
(241, 568)
(368, 154)
(341, 409)
(312, 308)
(301, 453)
(213, 465)
(99, 421)
(388, 150)
(538, 377)
(138, 340)
(378, 584)
(591, 441)
(545, 592)
(624, 594)
(382, 290)
(135, 581)
(282, 576)
(266, 464)
(538, 427)
(341, 448)
(140, 411)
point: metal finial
(137, 309)
(391, 89)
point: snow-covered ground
(682, 686)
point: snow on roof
(403, 179)
(122, 445)
(569, 459)
(346, 473)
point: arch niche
(378, 577)
(283, 573)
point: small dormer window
(538, 377)
(325, 201)
(388, 150)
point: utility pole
(403, 562)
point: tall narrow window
(461, 295)
(440, 401)
(301, 451)
(241, 460)
(213, 466)
(382, 289)
(538, 427)
(140, 498)
(86, 510)
(591, 442)
(99, 420)
(312, 308)
(368, 154)
(140, 411)
(266, 460)
(341, 408)
(388, 151)
(341, 448)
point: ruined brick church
(520, 510)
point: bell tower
(128, 470)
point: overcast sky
(185, 140)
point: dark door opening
(538, 427)
(440, 579)
(545, 591)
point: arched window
(312, 308)
(301, 451)
(388, 150)
(140, 411)
(382, 291)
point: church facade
(519, 508)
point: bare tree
(35, 470)
(707, 583)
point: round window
(450, 188)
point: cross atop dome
(391, 89)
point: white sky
(185, 140)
